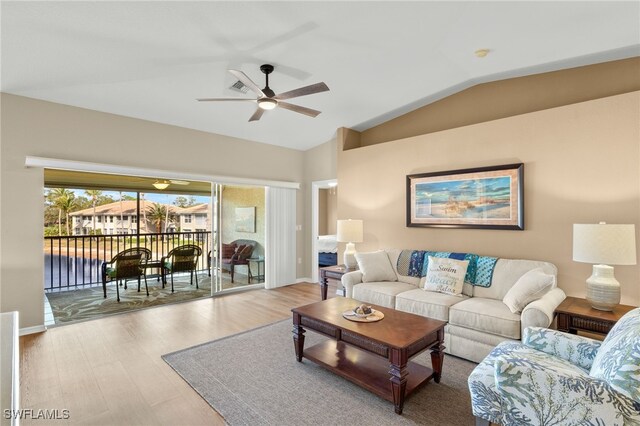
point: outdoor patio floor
(89, 303)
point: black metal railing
(75, 261)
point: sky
(497, 188)
(154, 197)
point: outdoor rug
(253, 378)
(89, 303)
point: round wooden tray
(372, 317)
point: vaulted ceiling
(151, 60)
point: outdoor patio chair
(128, 264)
(181, 259)
(241, 254)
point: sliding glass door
(238, 258)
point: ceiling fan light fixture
(267, 103)
(161, 184)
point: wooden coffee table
(372, 355)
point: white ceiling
(151, 60)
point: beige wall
(320, 163)
(507, 98)
(332, 211)
(234, 196)
(327, 211)
(322, 211)
(37, 128)
(581, 166)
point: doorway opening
(324, 252)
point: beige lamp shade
(349, 231)
(607, 244)
(604, 245)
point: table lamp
(350, 232)
(604, 245)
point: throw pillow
(228, 250)
(618, 358)
(375, 266)
(445, 275)
(529, 287)
(246, 252)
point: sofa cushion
(446, 275)
(529, 287)
(380, 293)
(507, 272)
(427, 303)
(375, 267)
(488, 315)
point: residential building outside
(120, 218)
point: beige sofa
(476, 323)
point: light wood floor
(109, 371)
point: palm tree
(121, 218)
(64, 201)
(144, 213)
(93, 195)
(157, 213)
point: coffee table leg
(298, 337)
(324, 285)
(437, 358)
(398, 379)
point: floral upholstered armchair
(554, 378)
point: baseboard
(340, 292)
(31, 330)
(303, 280)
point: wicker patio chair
(181, 259)
(128, 264)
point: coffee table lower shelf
(363, 368)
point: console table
(577, 314)
(331, 272)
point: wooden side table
(577, 314)
(334, 272)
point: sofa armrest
(578, 350)
(533, 391)
(540, 313)
(349, 280)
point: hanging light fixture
(161, 184)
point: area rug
(89, 303)
(253, 379)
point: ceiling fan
(267, 99)
(164, 184)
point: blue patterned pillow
(618, 360)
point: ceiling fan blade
(303, 91)
(256, 115)
(297, 108)
(247, 82)
(224, 99)
(179, 182)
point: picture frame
(482, 198)
(245, 219)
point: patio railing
(71, 262)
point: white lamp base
(350, 256)
(603, 290)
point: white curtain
(280, 253)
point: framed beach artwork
(486, 197)
(245, 219)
